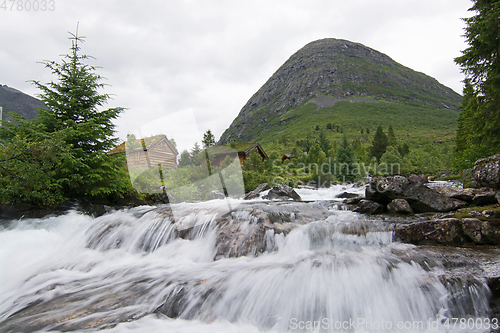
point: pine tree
(73, 104)
(478, 133)
(195, 150)
(73, 114)
(404, 150)
(392, 160)
(185, 159)
(391, 137)
(379, 144)
(208, 139)
(345, 161)
(324, 143)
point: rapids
(262, 267)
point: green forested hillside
(414, 122)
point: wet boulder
(399, 206)
(352, 201)
(420, 197)
(369, 207)
(256, 193)
(486, 172)
(347, 195)
(477, 196)
(463, 194)
(450, 231)
(481, 232)
(443, 231)
(485, 197)
(419, 179)
(282, 192)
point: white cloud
(211, 56)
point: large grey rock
(420, 197)
(368, 207)
(486, 172)
(485, 197)
(352, 201)
(399, 206)
(459, 204)
(481, 232)
(347, 195)
(419, 178)
(464, 194)
(450, 231)
(282, 192)
(444, 231)
(477, 196)
(256, 193)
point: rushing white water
(141, 271)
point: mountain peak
(340, 69)
(13, 100)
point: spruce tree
(195, 150)
(73, 114)
(345, 161)
(208, 139)
(379, 144)
(478, 133)
(185, 159)
(67, 142)
(324, 143)
(391, 137)
(74, 101)
(404, 150)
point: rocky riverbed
(398, 250)
(264, 262)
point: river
(263, 267)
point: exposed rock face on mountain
(13, 100)
(330, 70)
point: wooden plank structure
(149, 152)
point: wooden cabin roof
(149, 142)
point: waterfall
(264, 267)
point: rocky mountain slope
(13, 100)
(329, 71)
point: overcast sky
(210, 56)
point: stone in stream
(255, 193)
(450, 231)
(399, 206)
(486, 172)
(369, 207)
(282, 192)
(464, 194)
(347, 195)
(485, 197)
(420, 197)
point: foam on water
(136, 268)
